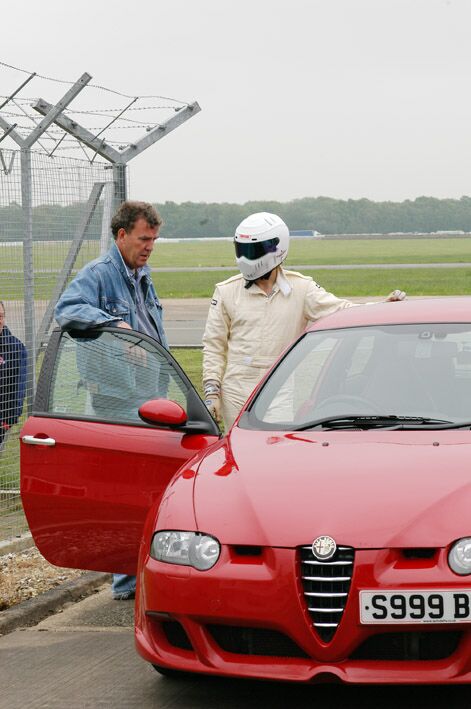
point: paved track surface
(184, 318)
(84, 658)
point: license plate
(388, 607)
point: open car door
(90, 466)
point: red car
(326, 537)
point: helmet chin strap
(265, 277)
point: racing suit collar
(283, 283)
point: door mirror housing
(163, 412)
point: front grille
(254, 641)
(408, 646)
(176, 635)
(326, 585)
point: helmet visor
(256, 249)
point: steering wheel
(366, 406)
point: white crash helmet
(261, 244)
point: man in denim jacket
(116, 289)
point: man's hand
(133, 352)
(213, 404)
(395, 296)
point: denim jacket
(103, 293)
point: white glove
(213, 404)
(395, 295)
(212, 399)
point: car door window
(109, 375)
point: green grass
(348, 282)
(310, 251)
(197, 284)
(302, 251)
(380, 251)
(420, 281)
(191, 361)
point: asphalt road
(184, 318)
(84, 658)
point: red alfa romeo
(326, 537)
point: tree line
(324, 214)
(200, 219)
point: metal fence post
(120, 187)
(28, 270)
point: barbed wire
(91, 86)
(104, 110)
(135, 124)
(116, 128)
(146, 126)
(70, 140)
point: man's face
(136, 245)
(2, 318)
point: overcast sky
(342, 98)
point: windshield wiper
(392, 422)
(435, 424)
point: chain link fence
(71, 208)
(55, 214)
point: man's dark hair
(129, 212)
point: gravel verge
(31, 588)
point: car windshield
(395, 376)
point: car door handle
(32, 441)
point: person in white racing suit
(256, 314)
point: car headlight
(186, 548)
(459, 557)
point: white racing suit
(247, 330)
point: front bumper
(248, 617)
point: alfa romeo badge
(324, 548)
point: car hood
(367, 489)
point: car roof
(426, 310)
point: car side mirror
(164, 412)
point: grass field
(444, 281)
(423, 281)
(302, 251)
(191, 361)
(310, 251)
(348, 282)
